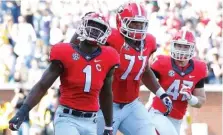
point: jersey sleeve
(114, 58)
(151, 43)
(55, 53)
(204, 70)
(115, 40)
(202, 74)
(155, 66)
(58, 52)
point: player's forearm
(40, 88)
(150, 81)
(197, 104)
(106, 101)
(37, 92)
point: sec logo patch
(75, 56)
(171, 73)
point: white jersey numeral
(87, 71)
(174, 88)
(131, 64)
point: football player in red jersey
(182, 78)
(135, 46)
(85, 71)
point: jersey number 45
(174, 88)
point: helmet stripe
(139, 10)
(184, 34)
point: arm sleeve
(153, 45)
(151, 41)
(155, 64)
(200, 84)
(115, 61)
(204, 74)
(156, 73)
(56, 56)
(55, 53)
(115, 40)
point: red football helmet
(183, 45)
(131, 21)
(94, 27)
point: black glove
(20, 116)
(108, 132)
(167, 102)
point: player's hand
(16, 121)
(20, 116)
(108, 132)
(167, 102)
(186, 91)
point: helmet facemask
(134, 28)
(182, 50)
(94, 30)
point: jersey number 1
(87, 85)
(131, 64)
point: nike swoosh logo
(191, 76)
(97, 60)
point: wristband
(108, 128)
(193, 101)
(160, 92)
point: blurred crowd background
(28, 29)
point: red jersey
(83, 75)
(171, 78)
(127, 77)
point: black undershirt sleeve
(200, 84)
(156, 73)
(59, 63)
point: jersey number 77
(132, 60)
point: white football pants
(67, 124)
(132, 119)
(163, 124)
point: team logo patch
(98, 67)
(75, 56)
(171, 73)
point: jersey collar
(87, 57)
(136, 48)
(188, 70)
